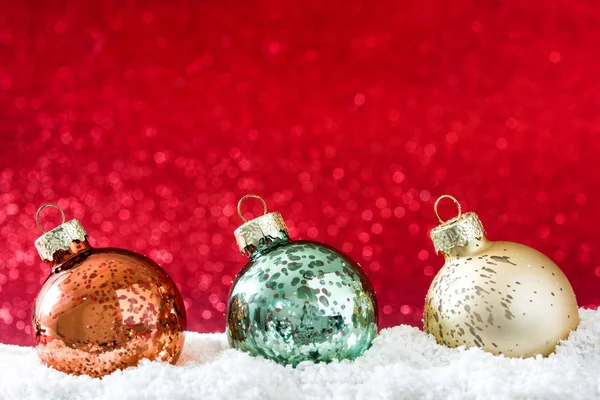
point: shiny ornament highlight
(503, 297)
(103, 309)
(297, 301)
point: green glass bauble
(298, 301)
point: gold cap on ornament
(59, 238)
(259, 232)
(456, 232)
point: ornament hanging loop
(254, 196)
(37, 215)
(437, 202)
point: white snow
(404, 363)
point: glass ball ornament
(103, 309)
(297, 300)
(503, 297)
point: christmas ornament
(297, 301)
(102, 309)
(503, 297)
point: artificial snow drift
(404, 363)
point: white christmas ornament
(503, 297)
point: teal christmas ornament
(297, 300)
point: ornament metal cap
(259, 232)
(456, 232)
(59, 238)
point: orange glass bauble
(103, 309)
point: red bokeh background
(149, 120)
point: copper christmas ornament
(503, 297)
(103, 309)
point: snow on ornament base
(403, 363)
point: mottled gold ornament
(503, 297)
(103, 309)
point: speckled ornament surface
(504, 297)
(298, 301)
(105, 309)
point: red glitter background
(149, 120)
